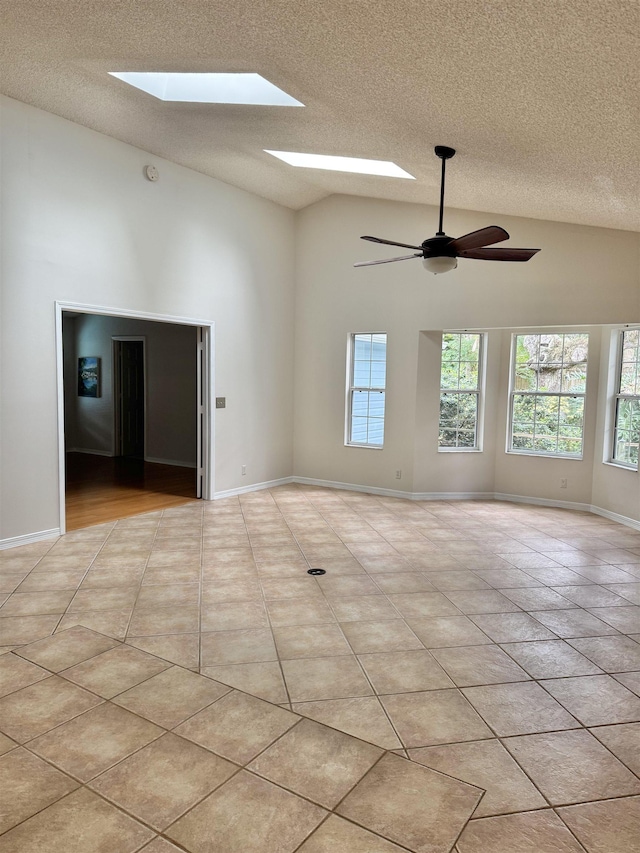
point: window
(548, 384)
(626, 436)
(460, 391)
(367, 379)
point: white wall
(81, 224)
(583, 277)
(170, 391)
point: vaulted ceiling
(541, 99)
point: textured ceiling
(541, 99)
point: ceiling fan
(440, 253)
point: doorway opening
(135, 420)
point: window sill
(365, 446)
(620, 466)
(459, 450)
(565, 458)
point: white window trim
(512, 392)
(616, 350)
(479, 392)
(350, 388)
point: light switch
(221, 402)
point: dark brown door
(132, 399)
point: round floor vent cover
(316, 572)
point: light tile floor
(495, 643)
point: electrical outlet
(244, 470)
(221, 402)
(563, 483)
(398, 475)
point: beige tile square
(160, 845)
(304, 587)
(93, 742)
(459, 580)
(362, 717)
(234, 589)
(260, 679)
(238, 726)
(234, 616)
(399, 582)
(67, 648)
(317, 762)
(247, 814)
(367, 608)
(112, 623)
(572, 767)
(18, 630)
(303, 641)
(6, 744)
(436, 716)
(527, 832)
(595, 700)
(613, 654)
(118, 598)
(183, 649)
(229, 647)
(607, 827)
(625, 619)
(405, 671)
(170, 697)
(68, 579)
(515, 709)
(573, 623)
(623, 741)
(540, 598)
(299, 611)
(512, 627)
(36, 603)
(386, 636)
(446, 631)
(114, 671)
(337, 834)
(473, 665)
(325, 678)
(550, 659)
(164, 779)
(181, 572)
(116, 576)
(168, 595)
(15, 672)
(164, 620)
(411, 805)
(28, 785)
(39, 707)
(80, 823)
(412, 604)
(591, 596)
(487, 765)
(481, 601)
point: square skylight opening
(207, 88)
(356, 165)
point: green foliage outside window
(459, 390)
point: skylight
(208, 88)
(342, 164)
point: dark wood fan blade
(388, 260)
(478, 239)
(500, 254)
(393, 243)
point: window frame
(617, 396)
(351, 348)
(478, 391)
(559, 394)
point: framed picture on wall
(89, 376)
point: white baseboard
(614, 516)
(176, 462)
(28, 538)
(353, 487)
(525, 499)
(256, 487)
(89, 451)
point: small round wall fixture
(151, 173)
(316, 572)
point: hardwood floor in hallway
(102, 488)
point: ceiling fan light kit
(440, 253)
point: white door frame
(207, 407)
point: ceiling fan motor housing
(439, 246)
